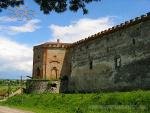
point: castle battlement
(124, 25)
(121, 26)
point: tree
(48, 6)
(10, 3)
(61, 5)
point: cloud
(15, 56)
(29, 26)
(80, 29)
(4, 19)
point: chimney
(58, 40)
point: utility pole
(8, 88)
(21, 85)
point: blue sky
(18, 37)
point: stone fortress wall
(114, 59)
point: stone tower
(49, 60)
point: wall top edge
(126, 24)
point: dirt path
(11, 110)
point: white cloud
(29, 26)
(80, 29)
(4, 19)
(15, 56)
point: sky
(18, 36)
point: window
(91, 64)
(133, 41)
(117, 62)
(38, 57)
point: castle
(114, 59)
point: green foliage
(117, 102)
(10, 3)
(59, 6)
(49, 83)
(5, 82)
(48, 6)
(64, 78)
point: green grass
(117, 102)
(4, 90)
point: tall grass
(117, 102)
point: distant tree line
(11, 82)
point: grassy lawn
(117, 102)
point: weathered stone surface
(116, 59)
(50, 61)
(41, 86)
(130, 46)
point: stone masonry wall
(117, 61)
(41, 86)
(38, 63)
(50, 61)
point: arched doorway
(38, 72)
(54, 73)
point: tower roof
(57, 44)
